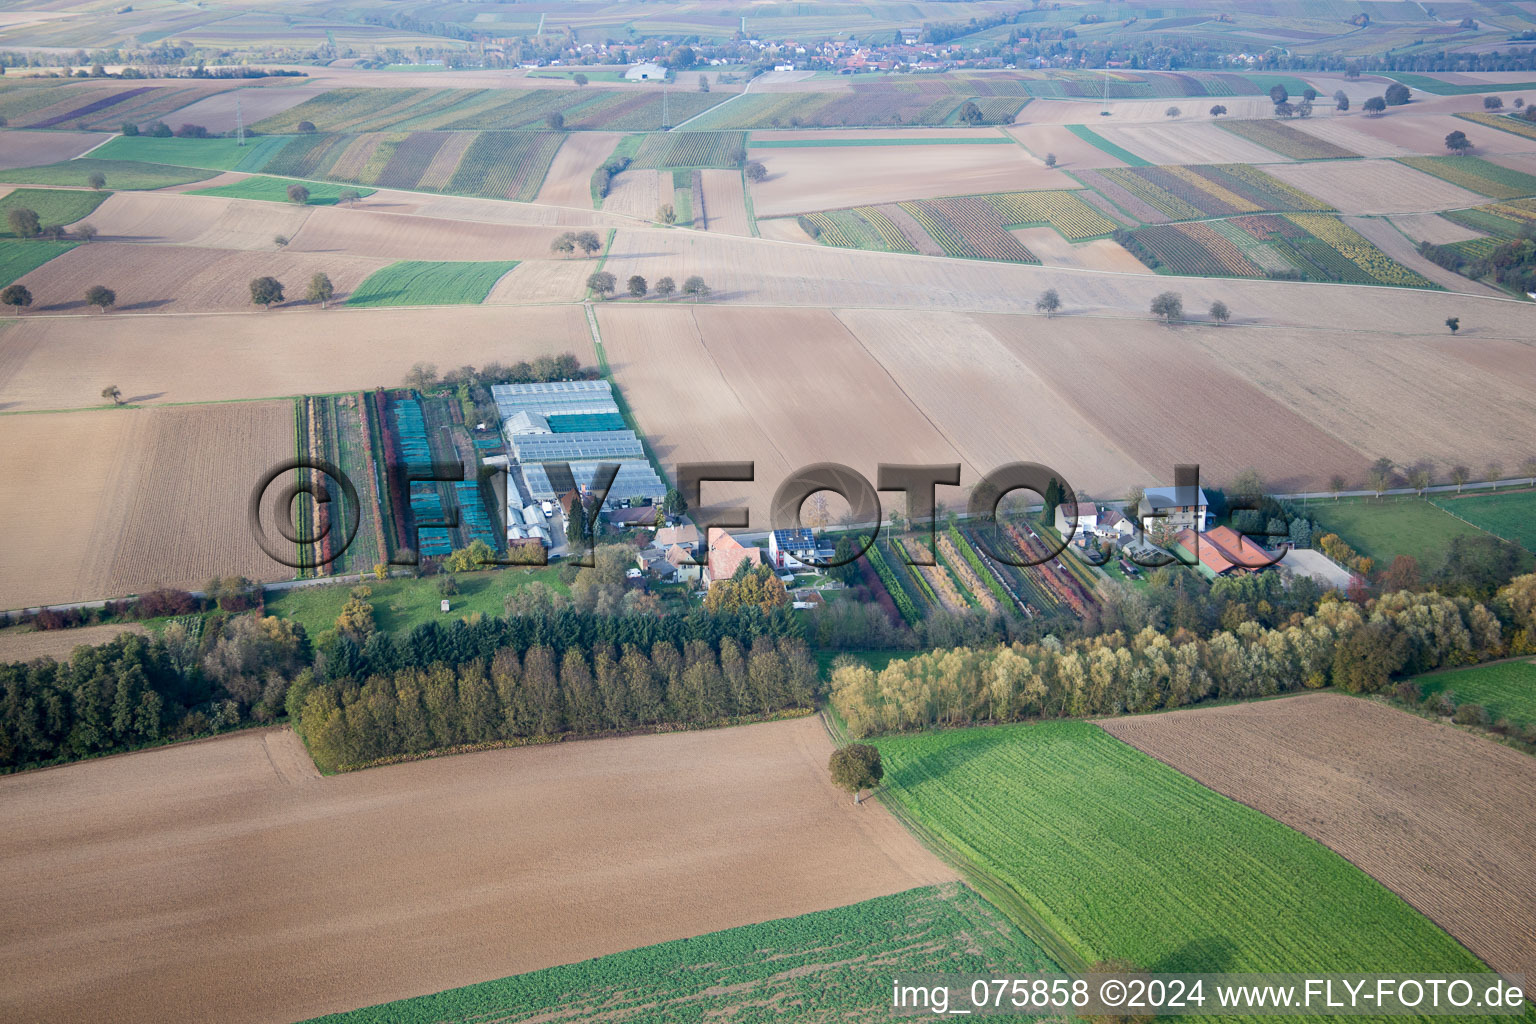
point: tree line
(543, 693)
(1356, 647)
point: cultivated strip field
(568, 182)
(406, 237)
(1072, 151)
(1405, 799)
(1187, 143)
(195, 220)
(218, 112)
(62, 362)
(725, 203)
(817, 178)
(1374, 186)
(509, 861)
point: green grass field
(121, 174)
(1121, 856)
(1424, 83)
(210, 154)
(427, 283)
(402, 602)
(275, 190)
(1099, 142)
(830, 965)
(1507, 690)
(21, 257)
(1511, 515)
(52, 206)
(1390, 527)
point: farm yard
(1400, 797)
(1087, 832)
(615, 810)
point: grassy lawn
(275, 190)
(1386, 528)
(21, 257)
(120, 174)
(1089, 833)
(424, 283)
(52, 206)
(876, 660)
(1508, 514)
(1507, 690)
(403, 602)
(829, 965)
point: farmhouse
(1183, 507)
(1083, 516)
(1223, 552)
(726, 554)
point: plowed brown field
(1375, 186)
(57, 643)
(569, 181)
(725, 203)
(1071, 151)
(162, 218)
(33, 149)
(1441, 817)
(409, 237)
(225, 880)
(1186, 142)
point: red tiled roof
(1209, 554)
(1238, 549)
(726, 554)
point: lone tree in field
(602, 282)
(97, 180)
(100, 296)
(24, 222)
(588, 242)
(16, 296)
(856, 767)
(1454, 323)
(1172, 112)
(1284, 110)
(1278, 95)
(1458, 143)
(1492, 103)
(86, 232)
(637, 286)
(696, 287)
(579, 78)
(555, 120)
(1397, 94)
(1374, 107)
(970, 113)
(1218, 110)
(113, 393)
(1309, 94)
(1341, 101)
(306, 127)
(1050, 159)
(665, 286)
(421, 377)
(755, 170)
(565, 243)
(279, 240)
(1048, 303)
(298, 195)
(1219, 312)
(265, 291)
(665, 214)
(320, 290)
(348, 196)
(1169, 306)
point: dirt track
(226, 881)
(1443, 818)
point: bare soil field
(1375, 186)
(1099, 254)
(1187, 142)
(58, 644)
(1524, 162)
(1340, 130)
(1086, 112)
(212, 221)
(183, 278)
(176, 512)
(33, 149)
(217, 112)
(1431, 227)
(535, 281)
(784, 229)
(484, 211)
(637, 194)
(989, 405)
(569, 181)
(1071, 151)
(409, 237)
(821, 178)
(1398, 246)
(225, 880)
(63, 362)
(1425, 132)
(1433, 813)
(839, 134)
(57, 467)
(725, 203)
(1165, 402)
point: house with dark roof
(1182, 508)
(792, 549)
